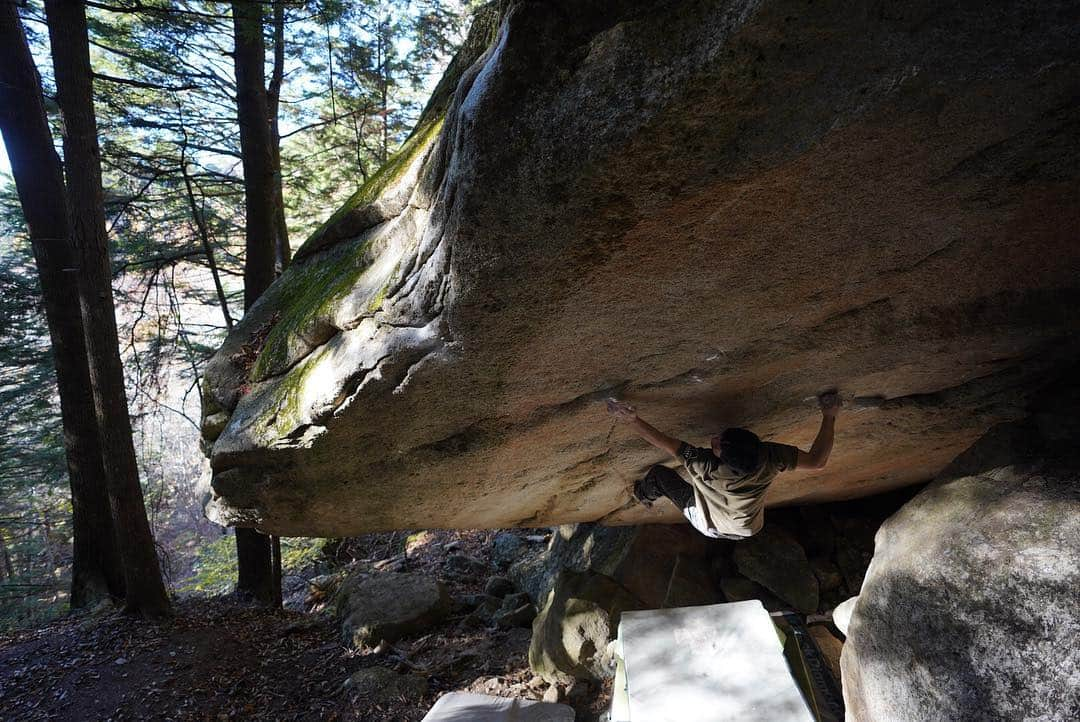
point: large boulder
(507, 548)
(389, 606)
(970, 608)
(714, 210)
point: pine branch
(142, 83)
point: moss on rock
(306, 296)
(282, 415)
(309, 291)
(391, 171)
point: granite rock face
(969, 609)
(713, 210)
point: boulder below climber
(590, 574)
(651, 562)
(572, 632)
(774, 559)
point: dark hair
(740, 449)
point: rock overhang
(715, 220)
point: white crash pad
(706, 664)
(467, 707)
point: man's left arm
(819, 452)
(626, 413)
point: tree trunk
(96, 570)
(255, 566)
(47, 545)
(384, 82)
(9, 569)
(255, 149)
(144, 590)
(276, 542)
(282, 251)
(254, 550)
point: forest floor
(218, 658)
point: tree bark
(276, 544)
(96, 570)
(384, 83)
(144, 590)
(255, 566)
(254, 550)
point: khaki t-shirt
(733, 503)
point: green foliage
(22, 607)
(215, 563)
(214, 571)
(438, 29)
(35, 509)
(376, 60)
(300, 553)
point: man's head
(739, 449)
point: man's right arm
(626, 413)
(819, 453)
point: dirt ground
(218, 658)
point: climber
(725, 497)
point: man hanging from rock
(725, 497)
